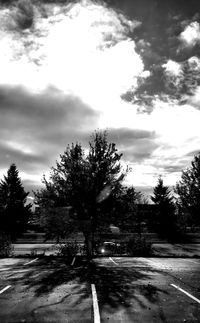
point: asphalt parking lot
(118, 289)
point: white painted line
(73, 261)
(30, 262)
(4, 289)
(188, 294)
(95, 305)
(113, 261)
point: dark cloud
(32, 186)
(48, 105)
(26, 161)
(141, 150)
(40, 123)
(24, 14)
(193, 153)
(157, 41)
(172, 168)
(136, 145)
(127, 136)
(170, 165)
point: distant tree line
(85, 193)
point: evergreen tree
(14, 210)
(165, 219)
(125, 211)
(188, 190)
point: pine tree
(14, 210)
(188, 190)
(165, 219)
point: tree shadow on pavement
(125, 286)
(116, 286)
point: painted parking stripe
(73, 261)
(188, 294)
(4, 289)
(95, 305)
(113, 261)
(30, 262)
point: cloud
(176, 133)
(23, 14)
(136, 144)
(172, 68)
(62, 74)
(182, 78)
(191, 34)
(35, 129)
(174, 76)
(57, 52)
(193, 153)
(195, 99)
(12, 152)
(65, 68)
(127, 135)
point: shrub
(138, 246)
(69, 249)
(6, 248)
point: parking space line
(188, 294)
(113, 261)
(30, 262)
(95, 304)
(4, 289)
(73, 261)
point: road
(140, 289)
(128, 290)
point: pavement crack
(51, 304)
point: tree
(56, 222)
(14, 210)
(87, 184)
(188, 190)
(165, 218)
(125, 211)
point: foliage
(126, 214)
(56, 222)
(14, 212)
(138, 246)
(86, 183)
(165, 217)
(5, 245)
(69, 249)
(188, 191)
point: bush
(6, 248)
(138, 246)
(69, 249)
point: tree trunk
(88, 245)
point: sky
(130, 67)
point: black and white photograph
(99, 161)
